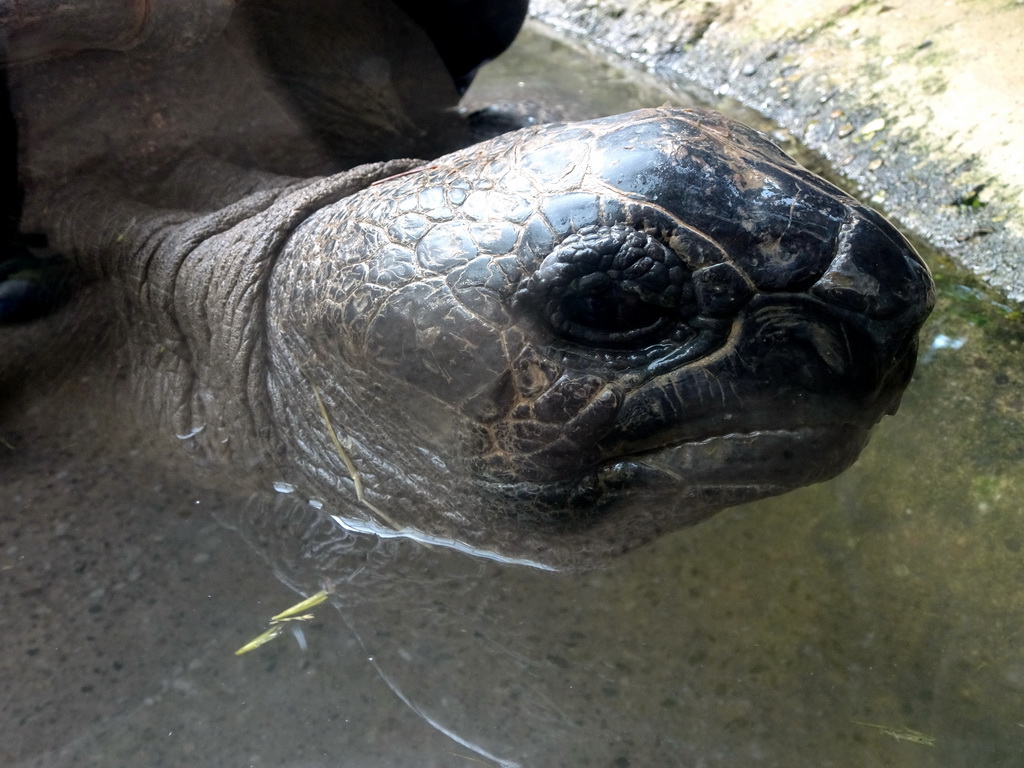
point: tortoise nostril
(610, 286)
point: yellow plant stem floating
(350, 466)
(295, 613)
(300, 607)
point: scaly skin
(553, 346)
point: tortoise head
(563, 342)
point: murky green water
(874, 620)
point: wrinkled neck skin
(190, 289)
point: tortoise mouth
(764, 458)
(683, 482)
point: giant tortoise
(552, 345)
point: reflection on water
(877, 619)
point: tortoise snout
(876, 273)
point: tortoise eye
(609, 287)
(608, 316)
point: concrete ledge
(918, 103)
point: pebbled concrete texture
(918, 104)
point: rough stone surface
(919, 104)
